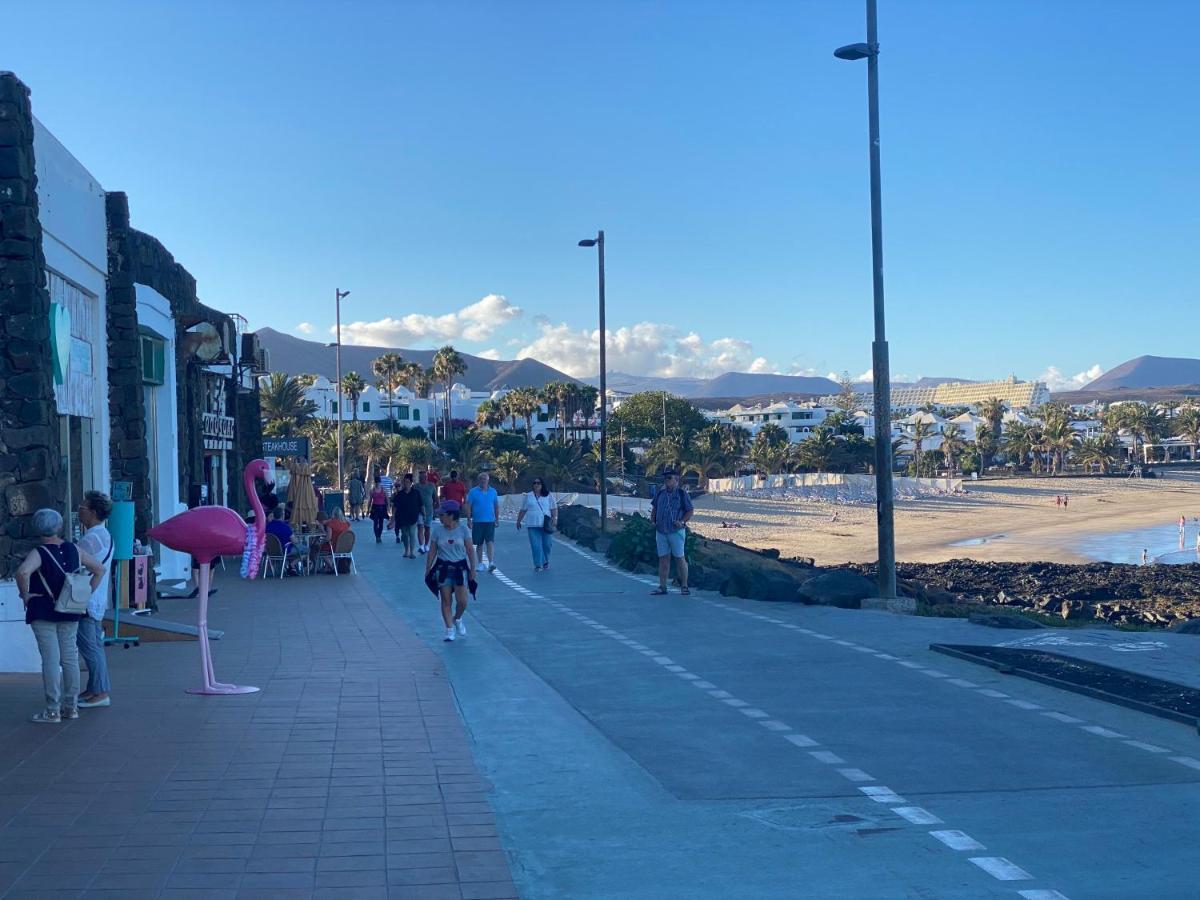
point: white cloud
(476, 322)
(647, 348)
(1057, 381)
(305, 328)
(490, 353)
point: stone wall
(30, 467)
(127, 412)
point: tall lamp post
(598, 243)
(879, 349)
(338, 295)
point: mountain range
(1148, 372)
(296, 356)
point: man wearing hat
(671, 509)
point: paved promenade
(710, 747)
(349, 775)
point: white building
(373, 405)
(799, 420)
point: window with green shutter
(154, 353)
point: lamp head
(856, 51)
(590, 242)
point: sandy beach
(1005, 519)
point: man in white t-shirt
(93, 513)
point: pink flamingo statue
(207, 532)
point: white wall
(154, 312)
(75, 244)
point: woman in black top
(39, 579)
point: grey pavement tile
(204, 880)
(212, 893)
(274, 881)
(120, 894)
(351, 863)
(128, 881)
(489, 890)
(472, 844)
(424, 892)
(284, 864)
(486, 830)
(419, 845)
(427, 860)
(350, 893)
(354, 878)
(437, 875)
(197, 865)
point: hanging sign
(60, 340)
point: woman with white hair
(40, 578)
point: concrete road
(713, 747)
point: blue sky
(441, 160)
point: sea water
(1164, 545)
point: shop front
(218, 431)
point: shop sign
(60, 340)
(213, 425)
(287, 446)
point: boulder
(1187, 626)
(839, 587)
(1002, 620)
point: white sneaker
(449, 635)
(462, 627)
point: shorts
(451, 574)
(426, 516)
(482, 532)
(670, 543)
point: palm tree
(586, 398)
(509, 466)
(706, 455)
(489, 415)
(353, 387)
(562, 464)
(555, 394)
(409, 454)
(387, 369)
(1098, 451)
(524, 402)
(1058, 439)
(1187, 426)
(770, 448)
(662, 453)
(448, 363)
(918, 433)
(952, 445)
(284, 407)
(992, 411)
(1146, 424)
(816, 452)
(374, 446)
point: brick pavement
(349, 775)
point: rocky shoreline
(1121, 595)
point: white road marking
(774, 725)
(855, 775)
(826, 757)
(755, 713)
(988, 692)
(958, 840)
(705, 684)
(962, 682)
(675, 668)
(663, 660)
(687, 676)
(1023, 704)
(881, 794)
(1062, 717)
(1000, 868)
(1101, 732)
(735, 702)
(934, 673)
(909, 664)
(720, 695)
(1188, 761)
(845, 643)
(917, 815)
(864, 649)
(1042, 895)
(801, 740)
(1153, 748)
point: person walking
(671, 509)
(406, 510)
(483, 511)
(379, 508)
(451, 564)
(454, 489)
(56, 632)
(358, 492)
(539, 505)
(97, 543)
(427, 490)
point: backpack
(76, 590)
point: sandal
(658, 592)
(684, 591)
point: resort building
(372, 405)
(1014, 394)
(798, 419)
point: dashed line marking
(1100, 731)
(917, 815)
(909, 664)
(826, 757)
(988, 692)
(1023, 704)
(881, 794)
(1000, 868)
(962, 683)
(705, 684)
(934, 673)
(801, 740)
(1042, 895)
(888, 657)
(1062, 717)
(958, 840)
(1152, 748)
(735, 702)
(1188, 761)
(755, 713)
(774, 725)
(855, 775)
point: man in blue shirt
(483, 509)
(671, 509)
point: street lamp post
(598, 243)
(879, 349)
(338, 295)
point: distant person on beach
(1145, 558)
(1066, 499)
(1058, 499)
(1182, 524)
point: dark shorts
(482, 532)
(450, 574)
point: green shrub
(635, 543)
